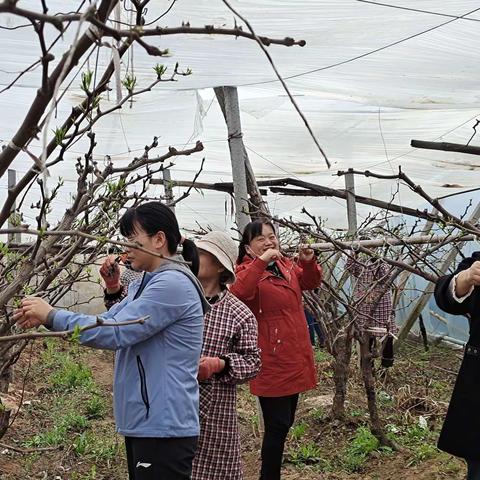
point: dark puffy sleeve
(443, 294)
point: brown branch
(68, 333)
(187, 193)
(55, 20)
(394, 241)
(206, 30)
(76, 233)
(28, 128)
(27, 451)
(172, 152)
(446, 215)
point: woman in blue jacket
(156, 364)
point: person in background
(155, 387)
(314, 328)
(230, 356)
(459, 294)
(271, 285)
(373, 302)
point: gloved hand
(110, 273)
(208, 366)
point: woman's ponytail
(190, 254)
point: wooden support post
(12, 181)
(228, 100)
(252, 187)
(446, 147)
(352, 232)
(351, 205)
(239, 174)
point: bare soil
(414, 392)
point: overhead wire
(418, 10)
(363, 55)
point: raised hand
(270, 255)
(306, 254)
(110, 273)
(472, 274)
(467, 279)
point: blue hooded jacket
(156, 363)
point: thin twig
(282, 81)
(68, 333)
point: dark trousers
(160, 458)
(314, 328)
(473, 469)
(278, 416)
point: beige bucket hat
(223, 248)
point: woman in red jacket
(271, 286)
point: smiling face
(263, 242)
(143, 261)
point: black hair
(154, 217)
(252, 230)
(224, 278)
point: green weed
(91, 475)
(362, 445)
(318, 413)
(306, 453)
(321, 355)
(74, 422)
(355, 412)
(298, 430)
(421, 453)
(415, 434)
(95, 407)
(72, 375)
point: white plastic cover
(370, 79)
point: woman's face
(143, 261)
(210, 268)
(263, 242)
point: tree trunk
(376, 424)
(5, 379)
(342, 353)
(4, 419)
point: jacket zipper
(143, 384)
(141, 287)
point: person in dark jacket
(271, 285)
(156, 393)
(459, 294)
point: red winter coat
(286, 352)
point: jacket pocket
(274, 335)
(143, 384)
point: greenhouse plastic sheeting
(370, 79)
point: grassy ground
(66, 421)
